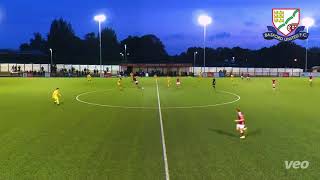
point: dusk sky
(236, 22)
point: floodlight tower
(100, 18)
(307, 22)
(122, 55)
(194, 60)
(204, 20)
(51, 61)
(125, 53)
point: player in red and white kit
(241, 127)
(135, 80)
(310, 80)
(273, 84)
(178, 83)
(248, 76)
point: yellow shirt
(56, 94)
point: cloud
(250, 23)
(177, 36)
(317, 22)
(221, 35)
(2, 13)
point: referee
(214, 83)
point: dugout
(158, 69)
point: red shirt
(241, 118)
(310, 77)
(178, 80)
(273, 81)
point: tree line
(68, 48)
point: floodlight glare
(100, 18)
(204, 20)
(308, 22)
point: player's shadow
(224, 133)
(255, 132)
(218, 131)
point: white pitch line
(143, 107)
(209, 105)
(107, 105)
(164, 149)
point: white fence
(114, 69)
(251, 71)
(10, 67)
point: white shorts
(273, 85)
(178, 83)
(240, 126)
(137, 82)
(310, 80)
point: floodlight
(100, 18)
(204, 20)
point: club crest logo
(285, 25)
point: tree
(281, 55)
(91, 48)
(148, 49)
(110, 46)
(37, 43)
(64, 42)
(24, 47)
(153, 48)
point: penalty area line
(164, 149)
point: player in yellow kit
(132, 76)
(168, 81)
(89, 78)
(119, 83)
(232, 79)
(56, 96)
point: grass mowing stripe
(164, 149)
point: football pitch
(100, 132)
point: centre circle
(142, 99)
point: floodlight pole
(100, 47)
(51, 61)
(125, 53)
(204, 47)
(122, 55)
(194, 61)
(306, 65)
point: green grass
(39, 140)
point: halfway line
(164, 149)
